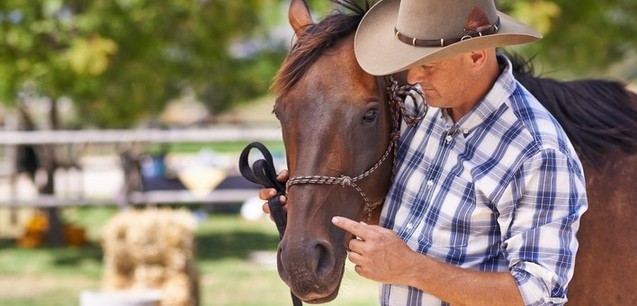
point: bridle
(396, 95)
(347, 181)
(263, 173)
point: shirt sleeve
(540, 243)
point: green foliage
(121, 61)
(581, 37)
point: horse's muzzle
(310, 269)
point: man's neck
(484, 81)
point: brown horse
(337, 129)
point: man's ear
(478, 58)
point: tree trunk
(47, 161)
(55, 234)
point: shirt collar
(498, 95)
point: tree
(120, 61)
(582, 38)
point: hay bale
(147, 236)
(152, 249)
(177, 290)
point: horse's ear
(299, 16)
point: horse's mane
(316, 39)
(599, 116)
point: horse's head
(336, 126)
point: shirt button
(410, 226)
(430, 183)
(449, 138)
(465, 132)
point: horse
(339, 128)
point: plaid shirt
(500, 190)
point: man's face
(443, 82)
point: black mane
(599, 116)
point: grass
(220, 147)
(225, 245)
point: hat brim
(379, 52)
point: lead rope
(397, 95)
(263, 173)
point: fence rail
(216, 134)
(138, 197)
(12, 139)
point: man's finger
(283, 176)
(282, 201)
(266, 193)
(358, 229)
(356, 245)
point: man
(488, 191)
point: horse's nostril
(325, 262)
(279, 262)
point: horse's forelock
(315, 40)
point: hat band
(416, 42)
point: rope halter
(397, 95)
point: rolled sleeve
(541, 241)
(532, 281)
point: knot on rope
(346, 181)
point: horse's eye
(276, 114)
(370, 115)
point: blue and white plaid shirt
(500, 190)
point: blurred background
(121, 117)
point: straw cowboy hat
(396, 35)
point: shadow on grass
(7, 243)
(237, 244)
(63, 255)
(219, 237)
(50, 261)
(73, 256)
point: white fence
(217, 134)
(9, 140)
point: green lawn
(225, 245)
(220, 147)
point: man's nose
(415, 75)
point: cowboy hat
(397, 35)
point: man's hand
(267, 193)
(378, 253)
